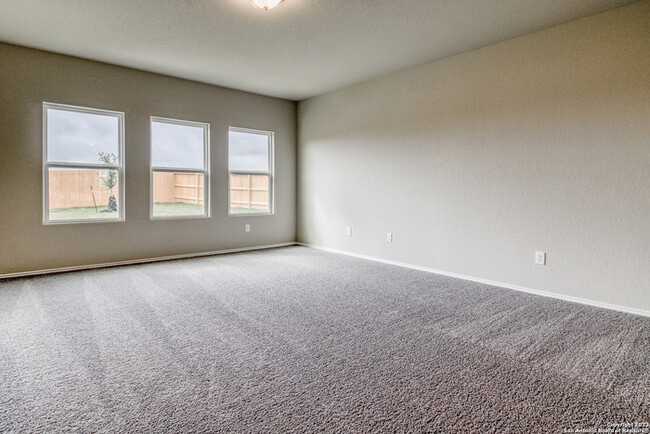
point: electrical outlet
(247, 227)
(389, 237)
(540, 258)
(348, 231)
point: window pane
(249, 194)
(80, 194)
(175, 145)
(77, 137)
(248, 151)
(178, 194)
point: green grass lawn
(170, 209)
(241, 210)
(159, 210)
(82, 213)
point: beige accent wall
(476, 161)
(30, 77)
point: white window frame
(205, 171)
(57, 164)
(270, 172)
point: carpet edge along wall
(299, 340)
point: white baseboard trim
(625, 309)
(139, 261)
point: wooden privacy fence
(178, 187)
(249, 191)
(74, 188)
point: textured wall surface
(475, 162)
(29, 77)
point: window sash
(172, 169)
(269, 190)
(47, 165)
(205, 171)
(270, 172)
(83, 166)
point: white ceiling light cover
(266, 4)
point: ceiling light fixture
(266, 4)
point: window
(179, 168)
(83, 164)
(250, 166)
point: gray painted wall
(477, 161)
(29, 77)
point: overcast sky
(74, 137)
(175, 145)
(248, 151)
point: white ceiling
(300, 49)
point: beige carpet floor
(299, 340)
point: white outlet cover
(247, 228)
(540, 258)
(389, 237)
(348, 231)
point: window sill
(179, 217)
(69, 222)
(251, 214)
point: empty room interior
(352, 216)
